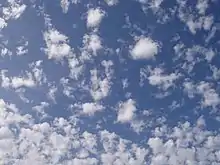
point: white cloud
(67, 87)
(100, 88)
(184, 144)
(52, 93)
(215, 72)
(91, 108)
(22, 49)
(207, 23)
(145, 48)
(126, 111)
(112, 2)
(94, 17)
(202, 6)
(195, 21)
(38, 72)
(17, 82)
(108, 68)
(156, 3)
(157, 77)
(75, 67)
(40, 109)
(191, 53)
(92, 43)
(54, 143)
(57, 45)
(64, 5)
(210, 97)
(14, 10)
(2, 23)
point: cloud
(52, 93)
(202, 6)
(14, 10)
(157, 77)
(126, 111)
(100, 88)
(38, 73)
(144, 48)
(76, 69)
(17, 82)
(195, 20)
(91, 108)
(94, 17)
(2, 23)
(64, 5)
(22, 49)
(138, 132)
(210, 98)
(111, 2)
(57, 45)
(92, 43)
(40, 109)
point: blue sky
(109, 82)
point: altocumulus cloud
(109, 82)
(144, 48)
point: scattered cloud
(126, 111)
(100, 88)
(2, 23)
(17, 82)
(112, 2)
(91, 108)
(57, 45)
(64, 5)
(94, 17)
(144, 48)
(157, 77)
(14, 10)
(92, 43)
(50, 100)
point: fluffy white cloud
(54, 142)
(144, 48)
(94, 17)
(14, 10)
(126, 111)
(91, 108)
(57, 45)
(17, 82)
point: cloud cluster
(86, 99)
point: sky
(109, 82)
